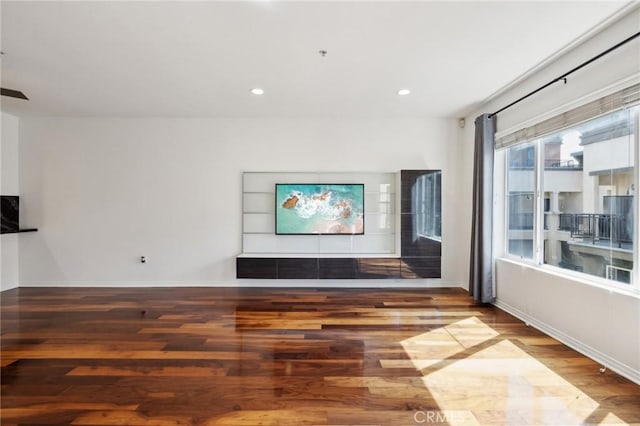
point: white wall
(613, 154)
(594, 320)
(9, 186)
(103, 192)
(601, 323)
(563, 180)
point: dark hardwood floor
(290, 357)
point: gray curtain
(481, 274)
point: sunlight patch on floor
(498, 382)
(430, 348)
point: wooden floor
(291, 357)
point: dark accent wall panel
(421, 255)
(300, 268)
(415, 245)
(256, 267)
(337, 268)
(420, 267)
(374, 267)
(9, 213)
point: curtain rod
(563, 77)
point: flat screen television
(319, 209)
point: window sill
(576, 277)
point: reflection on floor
(291, 357)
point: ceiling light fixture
(404, 92)
(257, 91)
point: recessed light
(257, 91)
(404, 92)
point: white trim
(603, 359)
(538, 205)
(372, 283)
(319, 255)
(609, 268)
(635, 275)
(619, 85)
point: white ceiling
(131, 59)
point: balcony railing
(617, 229)
(557, 164)
(548, 165)
(565, 221)
(591, 227)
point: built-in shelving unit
(391, 247)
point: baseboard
(596, 355)
(387, 283)
(9, 286)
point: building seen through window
(587, 198)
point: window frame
(427, 199)
(537, 259)
(505, 228)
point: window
(571, 197)
(521, 200)
(427, 196)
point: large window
(571, 197)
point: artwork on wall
(322, 209)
